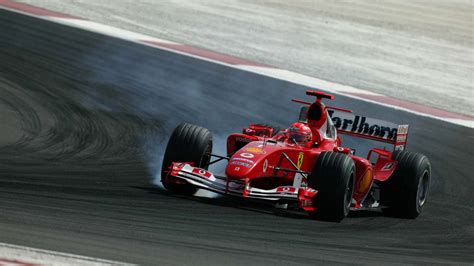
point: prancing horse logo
(300, 159)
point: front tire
(406, 191)
(188, 143)
(333, 175)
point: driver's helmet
(300, 133)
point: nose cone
(243, 163)
(240, 165)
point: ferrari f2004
(305, 166)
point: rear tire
(406, 191)
(188, 143)
(333, 175)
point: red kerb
(33, 10)
(414, 106)
(206, 54)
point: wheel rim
(348, 195)
(423, 187)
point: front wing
(241, 188)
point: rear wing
(363, 127)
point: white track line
(107, 30)
(276, 73)
(20, 255)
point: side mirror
(303, 118)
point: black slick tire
(333, 175)
(406, 191)
(188, 143)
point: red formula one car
(305, 166)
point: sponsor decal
(243, 159)
(401, 138)
(255, 150)
(285, 189)
(265, 165)
(402, 135)
(300, 159)
(241, 163)
(247, 155)
(402, 129)
(202, 172)
(362, 125)
(365, 182)
(237, 168)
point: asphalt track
(84, 119)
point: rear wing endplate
(363, 127)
